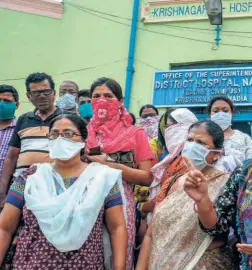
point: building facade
(91, 39)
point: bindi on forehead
(103, 89)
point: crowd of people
(84, 185)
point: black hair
(110, 83)
(149, 106)
(73, 83)
(212, 130)
(9, 89)
(133, 118)
(84, 93)
(224, 98)
(166, 115)
(76, 120)
(39, 77)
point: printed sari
(178, 243)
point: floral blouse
(233, 209)
(226, 205)
(239, 145)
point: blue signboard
(195, 87)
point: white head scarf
(183, 116)
(175, 141)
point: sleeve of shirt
(114, 197)
(142, 151)
(15, 195)
(15, 139)
(225, 205)
(16, 192)
(248, 152)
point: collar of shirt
(35, 114)
(12, 124)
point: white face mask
(197, 153)
(67, 101)
(223, 119)
(64, 149)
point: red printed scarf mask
(110, 126)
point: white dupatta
(67, 216)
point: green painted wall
(81, 40)
(160, 51)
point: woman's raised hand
(245, 248)
(195, 184)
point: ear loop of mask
(212, 150)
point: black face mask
(148, 115)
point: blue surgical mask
(7, 110)
(85, 110)
(67, 101)
(197, 153)
(58, 103)
(223, 119)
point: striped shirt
(5, 137)
(30, 137)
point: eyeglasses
(65, 134)
(37, 93)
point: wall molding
(47, 8)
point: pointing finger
(188, 163)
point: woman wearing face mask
(175, 240)
(158, 147)
(63, 219)
(232, 207)
(157, 144)
(236, 143)
(172, 165)
(149, 120)
(126, 145)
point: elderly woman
(231, 209)
(174, 239)
(65, 206)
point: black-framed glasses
(65, 134)
(37, 93)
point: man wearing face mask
(84, 105)
(29, 143)
(68, 93)
(9, 102)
